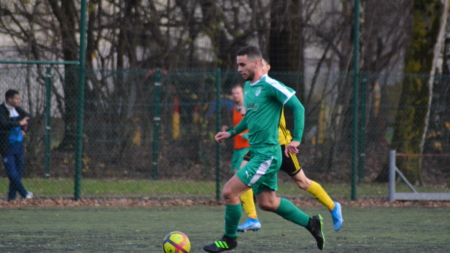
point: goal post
(414, 195)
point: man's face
(246, 67)
(265, 67)
(14, 101)
(237, 95)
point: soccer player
(292, 167)
(241, 147)
(264, 99)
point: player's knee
(267, 206)
(228, 194)
(302, 181)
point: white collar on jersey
(251, 84)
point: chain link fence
(149, 134)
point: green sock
(290, 212)
(232, 217)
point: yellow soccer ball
(176, 242)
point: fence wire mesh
(122, 107)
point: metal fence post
(362, 128)
(80, 111)
(391, 175)
(218, 115)
(48, 97)
(156, 121)
(355, 99)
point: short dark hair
(11, 93)
(252, 53)
(266, 58)
(237, 86)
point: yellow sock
(321, 195)
(249, 204)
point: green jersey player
(264, 99)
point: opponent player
(264, 99)
(241, 147)
(292, 167)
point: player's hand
(224, 128)
(291, 148)
(220, 136)
(23, 132)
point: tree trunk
(287, 42)
(438, 48)
(65, 13)
(443, 94)
(410, 119)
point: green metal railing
(156, 121)
(218, 125)
(355, 98)
(80, 111)
(48, 97)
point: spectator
(13, 125)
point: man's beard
(250, 77)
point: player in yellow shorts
(291, 166)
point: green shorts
(238, 156)
(260, 173)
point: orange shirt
(239, 141)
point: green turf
(151, 188)
(139, 229)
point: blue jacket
(6, 124)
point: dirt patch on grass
(126, 202)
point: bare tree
(411, 114)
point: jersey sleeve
(281, 92)
(299, 117)
(286, 96)
(241, 127)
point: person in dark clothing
(13, 125)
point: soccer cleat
(315, 228)
(250, 224)
(29, 195)
(336, 215)
(224, 244)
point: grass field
(138, 229)
(167, 188)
